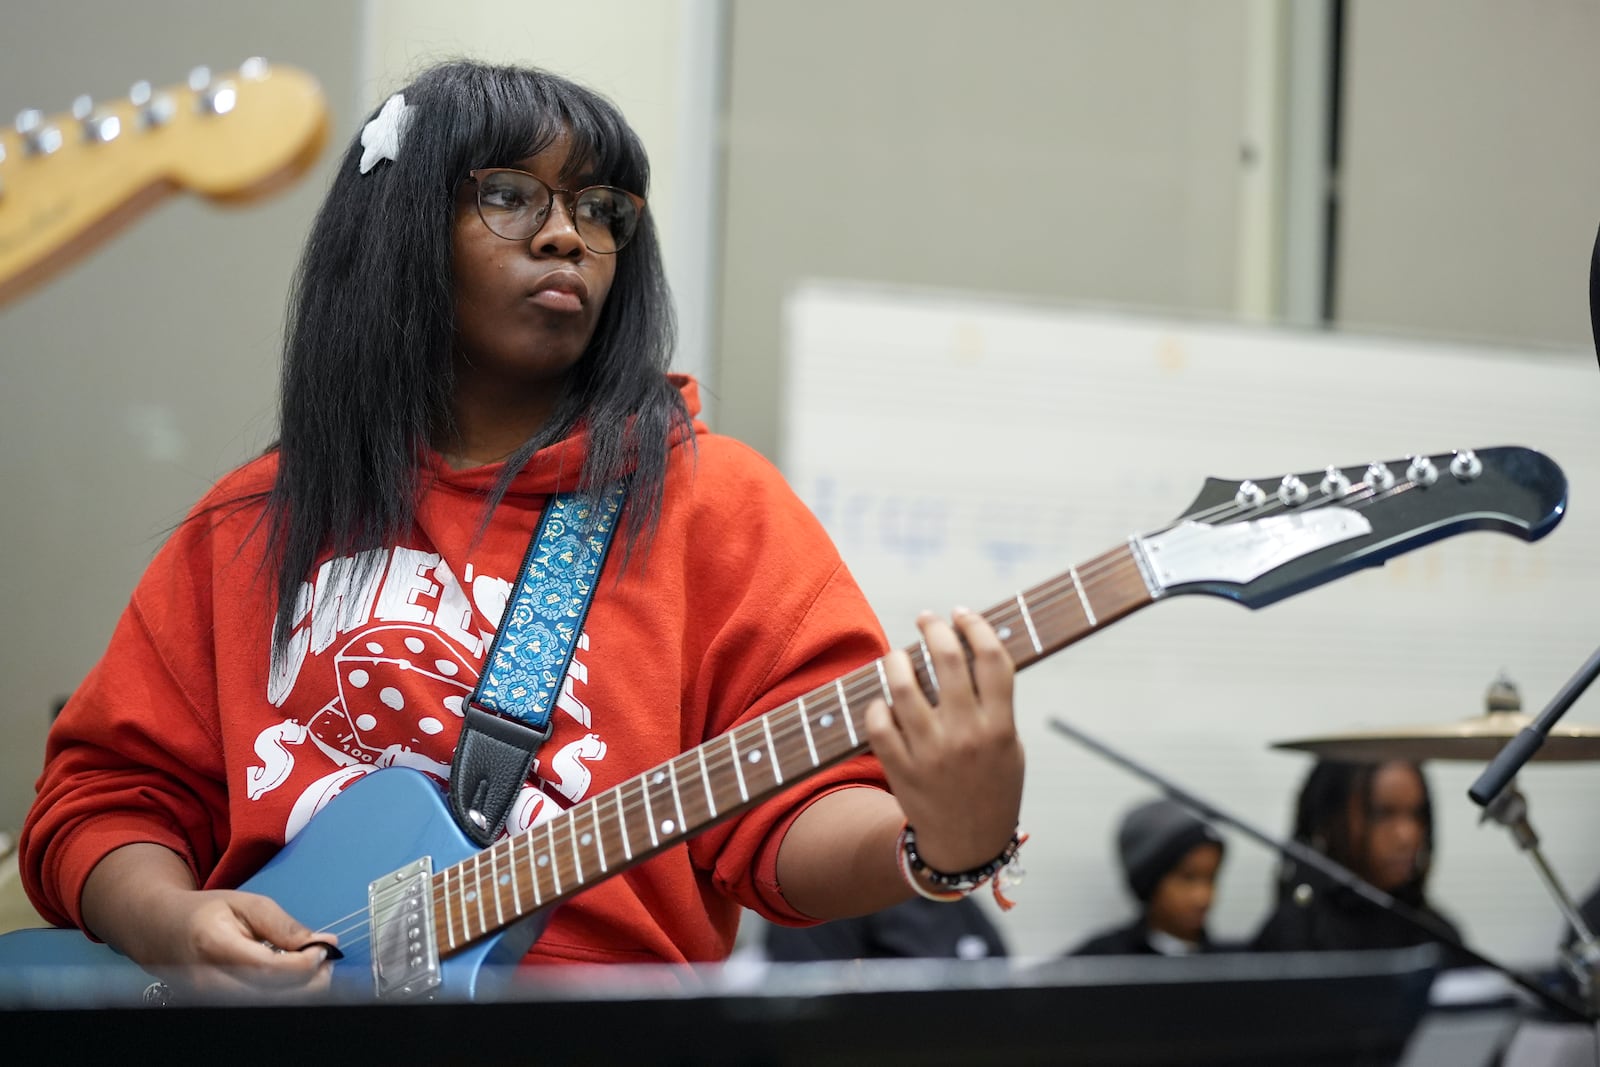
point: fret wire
(677, 798)
(516, 880)
(622, 823)
(883, 683)
(1074, 616)
(850, 719)
(805, 724)
(1083, 598)
(449, 919)
(844, 703)
(927, 664)
(705, 779)
(649, 814)
(572, 839)
(461, 896)
(772, 749)
(533, 869)
(599, 839)
(554, 864)
(477, 890)
(738, 771)
(1033, 635)
(468, 897)
(494, 876)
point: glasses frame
(477, 176)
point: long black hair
(367, 372)
(1322, 821)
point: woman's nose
(559, 234)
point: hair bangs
(520, 113)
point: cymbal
(1476, 739)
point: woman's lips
(557, 300)
(560, 290)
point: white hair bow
(380, 138)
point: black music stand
(1238, 1009)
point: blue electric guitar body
(322, 879)
(421, 912)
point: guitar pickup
(405, 954)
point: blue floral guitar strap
(508, 717)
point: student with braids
(480, 320)
(1376, 819)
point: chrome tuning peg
(1250, 495)
(1334, 483)
(1422, 471)
(212, 97)
(155, 109)
(1466, 465)
(39, 137)
(99, 126)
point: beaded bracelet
(942, 896)
(1003, 869)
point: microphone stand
(1334, 872)
(1502, 801)
(1520, 749)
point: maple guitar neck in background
(70, 181)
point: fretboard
(611, 832)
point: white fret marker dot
(1003, 633)
(755, 757)
(543, 860)
(585, 839)
(659, 778)
(826, 721)
(667, 826)
(471, 895)
(504, 879)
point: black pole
(1509, 760)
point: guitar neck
(73, 181)
(619, 828)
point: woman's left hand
(956, 769)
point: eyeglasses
(515, 205)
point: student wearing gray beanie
(1170, 859)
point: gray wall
(1471, 179)
(1115, 133)
(889, 141)
(130, 382)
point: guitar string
(862, 684)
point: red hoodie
(184, 735)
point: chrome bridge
(405, 955)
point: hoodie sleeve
(135, 754)
(792, 620)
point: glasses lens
(605, 218)
(513, 204)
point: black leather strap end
(491, 763)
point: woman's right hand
(217, 942)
